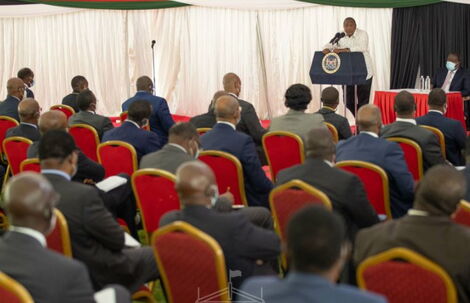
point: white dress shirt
(30, 232)
(412, 121)
(228, 123)
(370, 134)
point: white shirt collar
(178, 146)
(228, 123)
(328, 162)
(417, 212)
(370, 134)
(436, 111)
(30, 232)
(233, 95)
(17, 97)
(133, 122)
(30, 124)
(412, 121)
(56, 172)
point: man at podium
(353, 40)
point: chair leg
(7, 175)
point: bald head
(195, 183)
(144, 83)
(227, 108)
(369, 119)
(232, 83)
(320, 144)
(52, 120)
(15, 87)
(29, 109)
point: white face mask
(215, 196)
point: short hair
(85, 99)
(77, 81)
(349, 19)
(25, 72)
(404, 103)
(454, 54)
(298, 97)
(437, 97)
(56, 144)
(184, 130)
(315, 237)
(139, 110)
(144, 83)
(320, 143)
(330, 96)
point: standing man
(27, 75)
(355, 40)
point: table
(385, 99)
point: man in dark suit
(87, 115)
(224, 137)
(405, 127)
(344, 189)
(9, 107)
(244, 244)
(330, 100)
(428, 228)
(27, 76)
(79, 84)
(208, 120)
(29, 112)
(46, 275)
(367, 146)
(452, 129)
(160, 119)
(97, 239)
(131, 130)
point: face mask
(31, 84)
(450, 65)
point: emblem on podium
(331, 63)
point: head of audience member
(186, 136)
(52, 120)
(144, 84)
(369, 119)
(298, 97)
(453, 61)
(216, 96)
(440, 191)
(320, 145)
(79, 84)
(437, 100)
(15, 88)
(330, 97)
(27, 76)
(195, 184)
(316, 242)
(232, 84)
(86, 101)
(227, 108)
(405, 106)
(139, 112)
(29, 200)
(349, 26)
(29, 111)
(57, 150)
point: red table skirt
(385, 99)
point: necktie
(447, 81)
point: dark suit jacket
(466, 173)
(241, 241)
(425, 139)
(390, 157)
(98, 122)
(71, 100)
(224, 138)
(437, 238)
(249, 122)
(48, 276)
(206, 120)
(9, 108)
(143, 141)
(340, 122)
(161, 119)
(169, 158)
(453, 132)
(29, 93)
(460, 82)
(345, 191)
(24, 130)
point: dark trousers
(466, 106)
(363, 94)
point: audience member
(367, 146)
(79, 84)
(29, 112)
(466, 171)
(27, 76)
(208, 120)
(9, 107)
(330, 100)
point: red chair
(15, 149)
(67, 110)
(86, 138)
(59, 239)
(117, 157)
(30, 165)
(228, 173)
(155, 193)
(13, 292)
(375, 181)
(202, 130)
(413, 156)
(404, 276)
(283, 149)
(5, 124)
(333, 131)
(462, 214)
(439, 136)
(191, 264)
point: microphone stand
(153, 65)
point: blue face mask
(450, 65)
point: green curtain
(374, 3)
(113, 4)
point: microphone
(153, 43)
(334, 38)
(338, 37)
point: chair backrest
(16, 150)
(228, 174)
(413, 156)
(59, 239)
(202, 130)
(375, 181)
(282, 149)
(5, 124)
(404, 276)
(462, 214)
(67, 110)
(155, 193)
(86, 137)
(117, 157)
(30, 165)
(191, 264)
(440, 138)
(13, 292)
(333, 130)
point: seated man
(131, 130)
(224, 137)
(46, 275)
(79, 84)
(27, 76)
(367, 146)
(453, 130)
(428, 228)
(208, 120)
(330, 100)
(298, 97)
(29, 112)
(241, 241)
(97, 239)
(87, 104)
(344, 189)
(405, 127)
(317, 251)
(9, 107)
